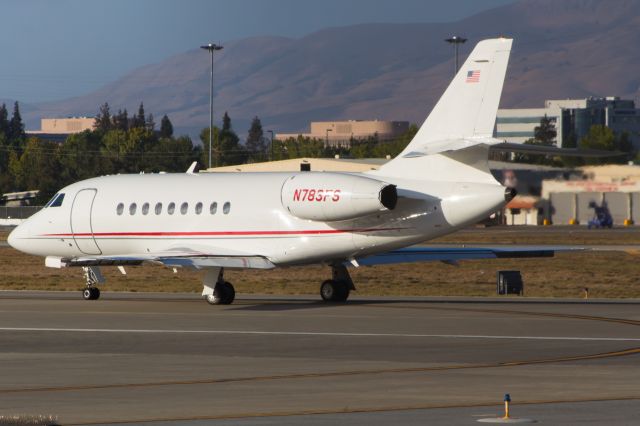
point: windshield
(55, 201)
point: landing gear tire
(334, 291)
(91, 293)
(223, 294)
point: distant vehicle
(602, 216)
(212, 221)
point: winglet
(193, 168)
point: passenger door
(81, 227)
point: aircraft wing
(178, 257)
(452, 254)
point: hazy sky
(63, 48)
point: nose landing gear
(93, 276)
(91, 293)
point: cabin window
(145, 209)
(184, 208)
(226, 208)
(213, 208)
(158, 208)
(171, 208)
(120, 209)
(198, 208)
(132, 208)
(56, 201)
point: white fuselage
(89, 223)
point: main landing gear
(216, 290)
(337, 289)
(93, 276)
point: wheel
(91, 293)
(87, 294)
(229, 293)
(223, 294)
(334, 291)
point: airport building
(572, 117)
(57, 129)
(341, 133)
(573, 201)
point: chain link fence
(21, 212)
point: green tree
(166, 128)
(150, 123)
(226, 122)
(204, 137)
(16, 127)
(4, 121)
(81, 157)
(599, 138)
(255, 140)
(226, 146)
(121, 120)
(174, 154)
(103, 118)
(545, 133)
(37, 168)
(139, 120)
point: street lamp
(456, 41)
(327, 137)
(211, 48)
(271, 156)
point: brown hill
(569, 48)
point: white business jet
(215, 221)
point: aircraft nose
(17, 237)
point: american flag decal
(473, 76)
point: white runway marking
(313, 333)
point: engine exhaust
(389, 196)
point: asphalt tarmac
(173, 359)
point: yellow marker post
(586, 292)
(507, 400)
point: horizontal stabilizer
(552, 150)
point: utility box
(510, 282)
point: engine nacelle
(332, 197)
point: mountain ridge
(381, 71)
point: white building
(573, 119)
(341, 133)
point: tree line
(599, 137)
(123, 143)
(131, 143)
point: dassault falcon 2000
(215, 221)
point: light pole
(456, 41)
(211, 48)
(327, 137)
(271, 147)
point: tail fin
(467, 110)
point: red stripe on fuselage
(221, 233)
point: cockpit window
(50, 201)
(56, 201)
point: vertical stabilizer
(467, 110)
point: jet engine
(332, 197)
